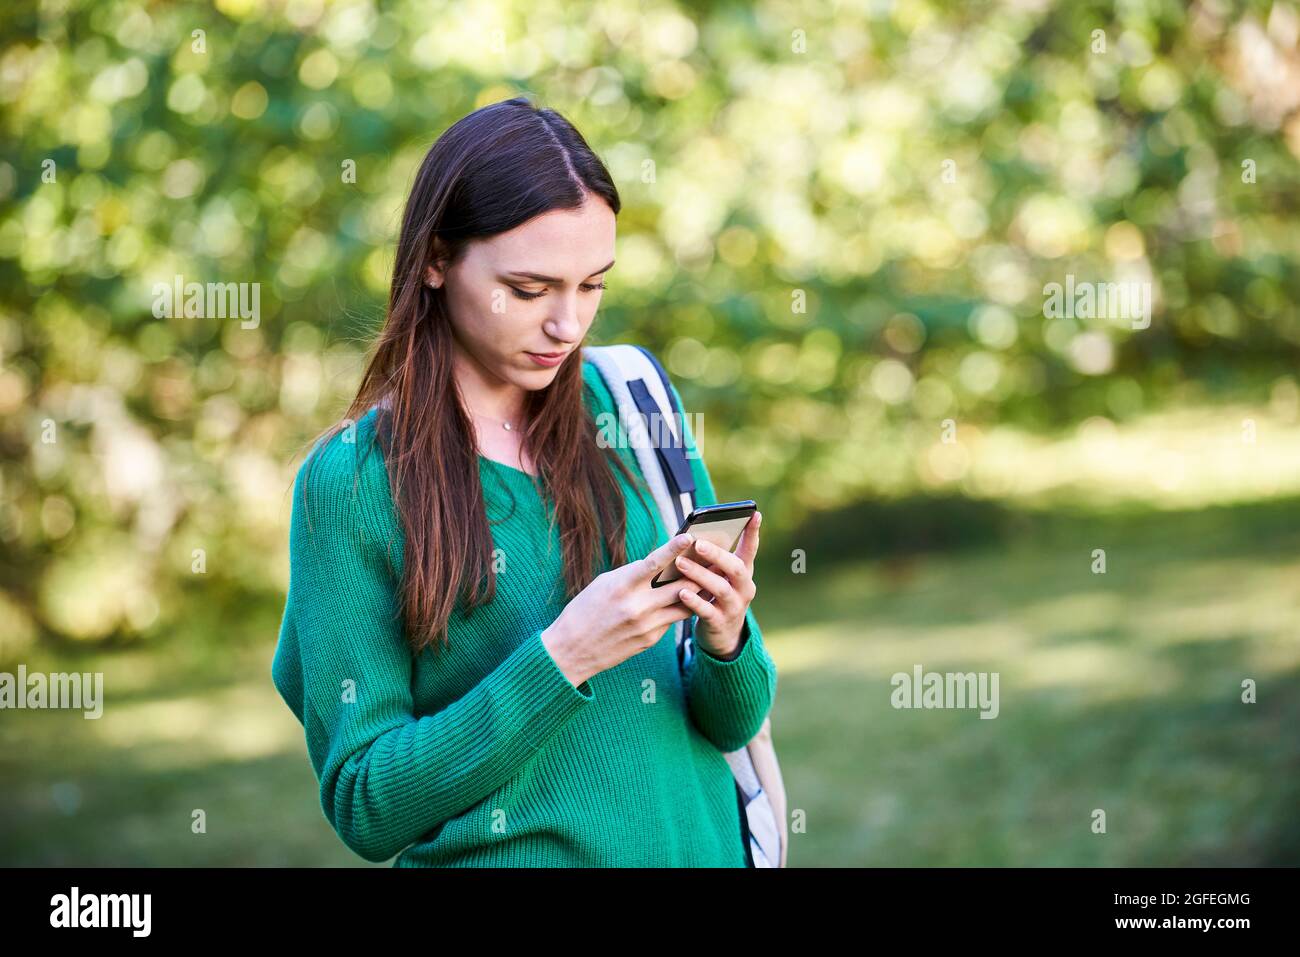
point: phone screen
(722, 532)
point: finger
(669, 614)
(698, 606)
(677, 611)
(715, 583)
(729, 565)
(661, 558)
(749, 541)
(667, 593)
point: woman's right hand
(618, 615)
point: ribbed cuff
(546, 698)
(731, 698)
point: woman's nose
(564, 324)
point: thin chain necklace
(504, 424)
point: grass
(1118, 691)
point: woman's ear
(435, 273)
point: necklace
(504, 424)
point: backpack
(641, 391)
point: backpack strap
(656, 395)
(681, 481)
(646, 405)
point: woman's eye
(586, 286)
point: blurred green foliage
(838, 223)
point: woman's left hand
(729, 582)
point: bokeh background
(839, 221)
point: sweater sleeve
(345, 668)
(727, 699)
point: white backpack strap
(619, 366)
(648, 384)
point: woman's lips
(550, 359)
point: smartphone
(720, 525)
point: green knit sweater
(488, 755)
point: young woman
(484, 677)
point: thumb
(749, 541)
(663, 556)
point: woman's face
(500, 314)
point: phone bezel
(707, 514)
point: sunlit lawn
(1118, 692)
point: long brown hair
(489, 172)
